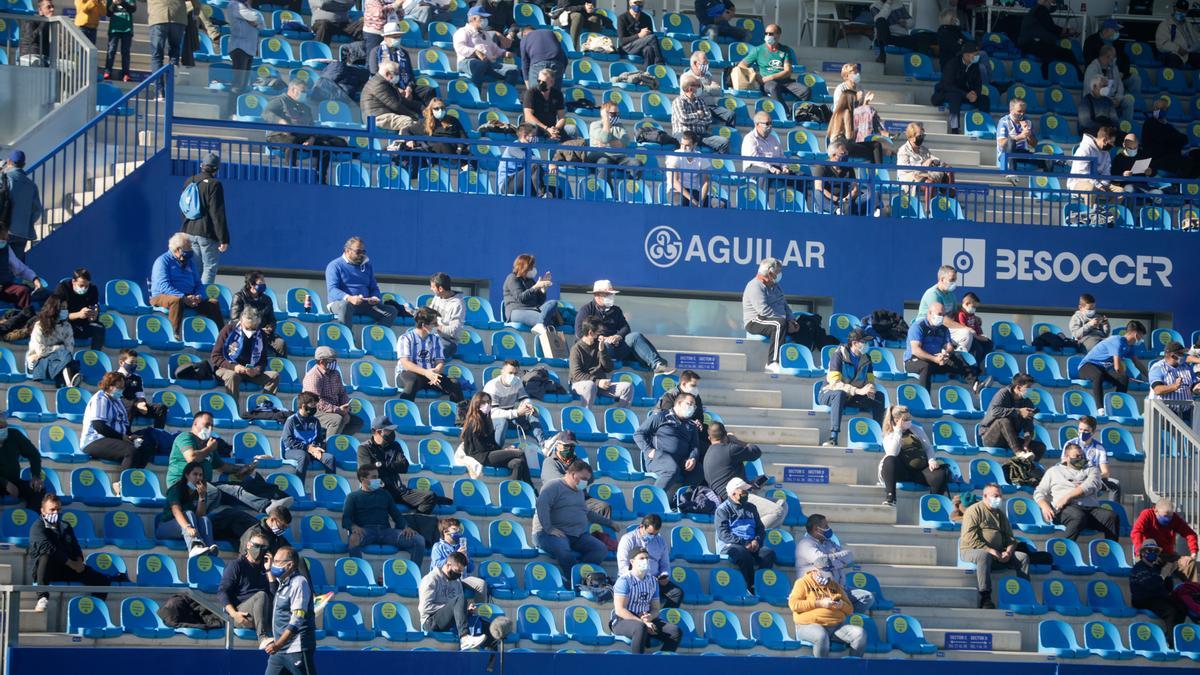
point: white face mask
(205, 433)
(1106, 90)
(779, 277)
(641, 565)
(856, 78)
(951, 286)
(486, 408)
(583, 485)
(608, 301)
(248, 332)
(531, 274)
(937, 320)
(693, 389)
(508, 378)
(993, 502)
(686, 412)
(906, 425)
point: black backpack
(538, 383)
(886, 325)
(812, 112)
(596, 586)
(1049, 340)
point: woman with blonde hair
(841, 128)
(913, 152)
(439, 123)
(908, 456)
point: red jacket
(1148, 527)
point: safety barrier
(1172, 446)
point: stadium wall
(863, 263)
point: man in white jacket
(1177, 40)
(452, 313)
(1091, 168)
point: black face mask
(308, 412)
(388, 437)
(919, 140)
(543, 86)
(743, 499)
(453, 575)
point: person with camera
(303, 437)
(1087, 326)
(1014, 134)
(1009, 416)
(525, 300)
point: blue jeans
(413, 544)
(636, 344)
(303, 460)
(532, 317)
(344, 312)
(539, 66)
(206, 250)
(481, 71)
(530, 425)
(862, 599)
(839, 400)
(292, 663)
(570, 550)
(166, 39)
(170, 529)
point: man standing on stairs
(208, 230)
(961, 83)
(987, 541)
(167, 19)
(26, 203)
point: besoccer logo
(664, 246)
(968, 257)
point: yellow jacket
(89, 12)
(803, 603)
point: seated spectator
(55, 556)
(133, 396)
(1171, 380)
(562, 521)
(961, 83)
(34, 47)
(1150, 587)
(510, 175)
(930, 351)
(690, 175)
(545, 107)
(646, 537)
(1096, 455)
(765, 310)
(1040, 37)
(892, 26)
(324, 380)
(723, 461)
(413, 95)
(608, 132)
(1123, 165)
(51, 353)
(383, 452)
(479, 56)
(636, 36)
(1176, 39)
(442, 604)
(762, 144)
(583, 16)
(1025, 469)
(740, 532)
(670, 443)
(950, 36)
(851, 74)
(304, 439)
(559, 453)
(943, 292)
(378, 16)
(1105, 66)
(908, 456)
(1107, 36)
(107, 433)
(174, 285)
(709, 87)
(1067, 496)
(1162, 524)
(82, 299)
(774, 63)
(15, 445)
(636, 605)
(541, 50)
(981, 345)
(481, 443)
(273, 529)
(615, 333)
(330, 18)
(253, 297)
(351, 288)
(592, 367)
(1014, 135)
(715, 18)
(818, 551)
(453, 540)
(244, 592)
(383, 100)
(291, 109)
(820, 610)
(370, 516)
(1168, 147)
(1009, 416)
(421, 364)
(231, 502)
(425, 12)
(1104, 363)
(439, 124)
(451, 312)
(689, 383)
(240, 355)
(511, 405)
(186, 513)
(987, 541)
(525, 300)
(1086, 326)
(850, 383)
(914, 152)
(690, 112)
(836, 189)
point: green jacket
(120, 16)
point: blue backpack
(189, 201)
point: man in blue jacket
(175, 285)
(351, 287)
(670, 443)
(740, 532)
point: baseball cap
(737, 484)
(382, 423)
(1110, 23)
(1174, 348)
(478, 11)
(17, 157)
(566, 437)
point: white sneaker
(774, 368)
(41, 604)
(537, 329)
(200, 549)
(1101, 413)
(75, 380)
(469, 642)
(829, 444)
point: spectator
(451, 312)
(421, 362)
(1014, 135)
(1009, 416)
(479, 56)
(592, 367)
(50, 356)
(12, 274)
(55, 556)
(851, 74)
(186, 513)
(763, 144)
(133, 396)
(443, 607)
(303, 438)
(636, 36)
(908, 456)
(765, 310)
(1176, 40)
(274, 530)
(510, 175)
(930, 351)
(244, 592)
(383, 452)
(774, 62)
(1039, 36)
(106, 433)
(943, 292)
(545, 107)
(866, 129)
(424, 12)
(439, 124)
(950, 37)
(818, 551)
(481, 443)
(636, 605)
(582, 15)
(740, 532)
(981, 345)
(14, 445)
(82, 300)
(1104, 363)
(25, 203)
(414, 96)
(1162, 524)
(646, 537)
(850, 383)
(1123, 164)
(34, 47)
(383, 100)
(167, 19)
(670, 443)
(240, 355)
(615, 333)
(835, 186)
(330, 18)
(608, 132)
(914, 152)
(689, 383)
(368, 517)
(378, 17)
(709, 89)
(987, 541)
(690, 174)
(293, 621)
(1092, 166)
(1150, 587)
(716, 20)
(1096, 455)
(1067, 496)
(724, 460)
(1093, 46)
(690, 112)
(244, 24)
(892, 26)
(452, 540)
(198, 445)
(291, 109)
(541, 50)
(175, 285)
(820, 610)
(511, 405)
(961, 83)
(525, 299)
(351, 288)
(1105, 66)
(1086, 326)
(324, 380)
(1171, 379)
(562, 520)
(253, 297)
(1167, 146)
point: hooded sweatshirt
(803, 603)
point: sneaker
(774, 368)
(200, 549)
(469, 642)
(1015, 180)
(1101, 413)
(661, 368)
(126, 78)
(890, 500)
(286, 502)
(75, 380)
(41, 604)
(537, 329)
(829, 444)
(108, 76)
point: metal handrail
(1172, 447)
(71, 54)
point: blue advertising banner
(698, 361)
(817, 475)
(973, 642)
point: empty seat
(1057, 638)
(1062, 596)
(536, 622)
(501, 580)
(507, 537)
(723, 627)
(1015, 594)
(356, 577)
(545, 581)
(88, 617)
(583, 625)
(727, 585)
(957, 402)
(691, 544)
(906, 634)
(1104, 640)
(935, 513)
(1105, 597)
(1147, 641)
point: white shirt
(691, 168)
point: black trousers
(317, 147)
(241, 62)
(1051, 52)
(1077, 519)
(955, 367)
(119, 450)
(513, 460)
(953, 100)
(894, 472)
(411, 383)
(1098, 376)
(25, 492)
(325, 30)
(89, 329)
(667, 633)
(157, 412)
(1005, 432)
(884, 37)
(1171, 611)
(775, 329)
(47, 571)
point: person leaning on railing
(34, 48)
(1171, 379)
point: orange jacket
(89, 12)
(803, 603)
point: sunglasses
(775, 33)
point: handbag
(554, 344)
(912, 455)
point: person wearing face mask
(762, 145)
(647, 537)
(981, 345)
(740, 532)
(15, 446)
(1123, 164)
(1087, 326)
(1176, 39)
(961, 83)
(836, 189)
(1067, 496)
(1040, 37)
(950, 36)
(850, 383)
(930, 351)
(324, 380)
(186, 513)
(1097, 109)
(1150, 586)
(1093, 51)
(245, 495)
(914, 153)
(273, 530)
(1172, 380)
(636, 36)
(55, 556)
(851, 78)
(442, 606)
(581, 16)
(175, 285)
(1105, 65)
(709, 87)
(943, 292)
(1105, 363)
(293, 619)
(378, 17)
(385, 453)
(438, 123)
(50, 356)
(525, 299)
(351, 287)
(451, 312)
(908, 456)
(515, 158)
(562, 520)
(1163, 525)
(106, 433)
(511, 405)
(765, 310)
(636, 603)
(818, 551)
(544, 106)
(82, 300)
(291, 108)
(452, 539)
(591, 367)
(608, 132)
(240, 355)
(304, 438)
(414, 96)
(370, 516)
(670, 444)
(1097, 456)
(689, 383)
(253, 297)
(244, 592)
(615, 332)
(820, 612)
(420, 361)
(481, 443)
(481, 52)
(987, 542)
(1009, 416)
(1168, 146)
(559, 453)
(690, 112)
(1014, 135)
(383, 100)
(689, 176)
(774, 63)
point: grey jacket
(1060, 479)
(761, 300)
(167, 11)
(331, 10)
(1079, 329)
(26, 203)
(436, 591)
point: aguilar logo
(664, 246)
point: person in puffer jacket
(1150, 588)
(820, 610)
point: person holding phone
(820, 609)
(525, 300)
(82, 299)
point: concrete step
(922, 596)
(775, 434)
(852, 513)
(895, 554)
(6, 574)
(1005, 640)
(727, 361)
(931, 577)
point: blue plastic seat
(1026, 516)
(179, 407)
(407, 417)
(393, 622)
(442, 417)
(770, 630)
(125, 529)
(919, 67)
(917, 399)
(1108, 558)
(1008, 336)
(583, 625)
(647, 499)
(344, 621)
(507, 344)
(692, 638)
(369, 378)
(865, 434)
(727, 585)
(88, 617)
(905, 633)
(14, 527)
(783, 543)
(615, 461)
(1002, 366)
(723, 627)
(340, 338)
(544, 581)
(28, 403)
(1106, 597)
(501, 580)
(321, 534)
(980, 124)
(536, 622)
(356, 577)
(125, 296)
(1045, 371)
(688, 580)
(290, 483)
(1062, 596)
(204, 572)
(1057, 638)
(946, 208)
(1120, 445)
(93, 365)
(950, 437)
(473, 496)
(935, 513)
(1147, 641)
(402, 577)
(92, 487)
(984, 471)
(1187, 641)
(141, 488)
(691, 544)
(1104, 640)
(80, 521)
(773, 586)
(224, 410)
(1123, 409)
(139, 617)
(330, 491)
(507, 537)
(611, 495)
(437, 456)
(869, 582)
(797, 360)
(1047, 411)
(61, 444)
(278, 52)
(1014, 594)
(156, 569)
(1077, 403)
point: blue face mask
(975, 59)
(1179, 16)
(1165, 520)
(1150, 556)
(826, 532)
(277, 571)
(260, 288)
(62, 315)
(636, 9)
